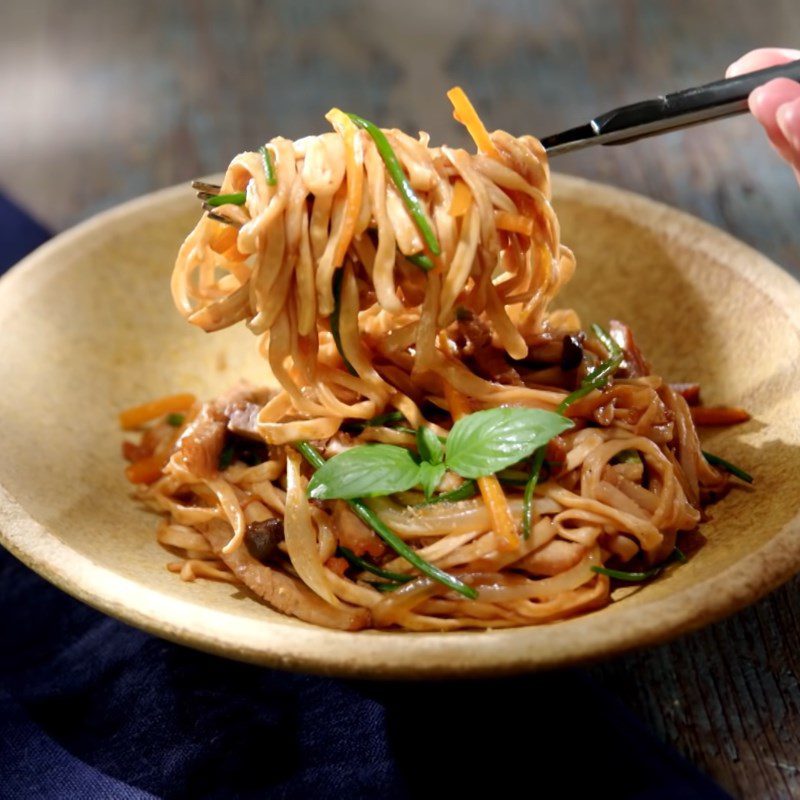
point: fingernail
(788, 118)
(733, 69)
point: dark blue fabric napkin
(90, 708)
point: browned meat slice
(281, 591)
(634, 360)
(201, 443)
(353, 534)
(243, 418)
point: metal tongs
(668, 112)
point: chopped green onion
(236, 199)
(402, 183)
(176, 420)
(368, 566)
(369, 517)
(679, 555)
(422, 261)
(632, 577)
(337, 307)
(464, 492)
(225, 458)
(717, 461)
(269, 167)
(530, 486)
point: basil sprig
(479, 444)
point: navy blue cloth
(91, 708)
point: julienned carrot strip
(233, 254)
(355, 181)
(146, 470)
(138, 415)
(491, 490)
(224, 243)
(690, 392)
(224, 238)
(462, 199)
(465, 113)
(495, 499)
(515, 223)
(720, 415)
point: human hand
(776, 105)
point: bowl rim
(289, 644)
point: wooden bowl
(87, 327)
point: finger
(761, 59)
(764, 103)
(788, 121)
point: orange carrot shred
(146, 470)
(719, 415)
(224, 238)
(337, 565)
(462, 199)
(465, 113)
(514, 223)
(491, 490)
(138, 415)
(233, 254)
(355, 181)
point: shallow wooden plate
(87, 327)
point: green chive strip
(236, 199)
(607, 341)
(421, 260)
(337, 307)
(596, 379)
(631, 577)
(530, 486)
(369, 517)
(402, 183)
(404, 429)
(464, 492)
(637, 577)
(368, 566)
(269, 166)
(717, 461)
(385, 586)
(176, 420)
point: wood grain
(108, 100)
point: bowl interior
(87, 327)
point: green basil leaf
(369, 470)
(429, 446)
(487, 441)
(430, 476)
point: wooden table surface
(104, 101)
